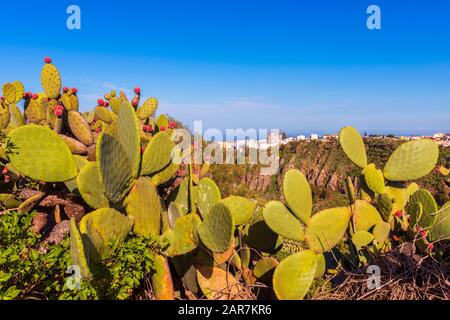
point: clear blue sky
(302, 66)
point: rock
(39, 222)
(74, 210)
(59, 232)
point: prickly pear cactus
(106, 230)
(39, 153)
(282, 222)
(412, 160)
(353, 146)
(89, 186)
(80, 128)
(143, 204)
(147, 109)
(51, 81)
(326, 228)
(241, 209)
(374, 179)
(78, 251)
(128, 136)
(206, 195)
(297, 194)
(216, 229)
(183, 238)
(158, 153)
(294, 275)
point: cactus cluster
(117, 161)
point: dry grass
(404, 276)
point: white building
(301, 137)
(314, 136)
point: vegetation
(95, 206)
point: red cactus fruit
(137, 90)
(430, 247)
(97, 130)
(106, 104)
(142, 149)
(58, 111)
(399, 213)
(172, 125)
(135, 102)
(35, 96)
(100, 102)
(5, 170)
(48, 60)
(74, 90)
(162, 128)
(65, 89)
(6, 179)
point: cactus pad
(89, 186)
(362, 238)
(75, 146)
(105, 115)
(114, 167)
(106, 230)
(158, 153)
(429, 207)
(353, 146)
(80, 128)
(5, 116)
(297, 194)
(162, 283)
(282, 222)
(381, 231)
(264, 269)
(39, 153)
(217, 229)
(241, 209)
(147, 109)
(441, 228)
(143, 204)
(19, 88)
(374, 178)
(78, 251)
(180, 196)
(216, 283)
(412, 160)
(51, 81)
(365, 216)
(183, 238)
(294, 275)
(326, 228)
(9, 92)
(128, 136)
(206, 196)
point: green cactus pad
(241, 209)
(173, 214)
(381, 231)
(321, 266)
(412, 160)
(385, 206)
(158, 153)
(51, 81)
(114, 104)
(35, 112)
(147, 109)
(180, 195)
(143, 204)
(264, 269)
(362, 238)
(294, 275)
(105, 115)
(78, 252)
(183, 238)
(429, 207)
(206, 196)
(441, 228)
(39, 153)
(75, 146)
(128, 136)
(297, 194)
(217, 229)
(89, 186)
(162, 283)
(399, 196)
(80, 127)
(5, 116)
(16, 119)
(282, 222)
(162, 121)
(165, 174)
(114, 167)
(9, 92)
(20, 89)
(258, 235)
(353, 146)
(374, 178)
(216, 283)
(365, 216)
(415, 213)
(106, 230)
(326, 228)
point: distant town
(441, 138)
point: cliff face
(325, 166)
